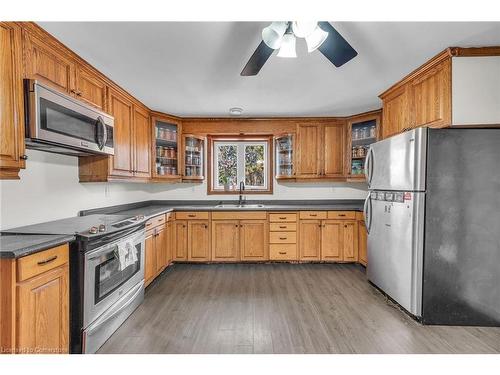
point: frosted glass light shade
(272, 35)
(302, 29)
(287, 48)
(316, 39)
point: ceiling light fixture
(316, 39)
(273, 34)
(235, 111)
(287, 48)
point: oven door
(59, 119)
(105, 280)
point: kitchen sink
(239, 206)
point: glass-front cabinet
(363, 132)
(285, 159)
(166, 150)
(194, 157)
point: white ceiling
(193, 68)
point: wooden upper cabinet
(122, 110)
(308, 150)
(225, 240)
(254, 244)
(90, 88)
(309, 239)
(430, 97)
(180, 249)
(48, 65)
(333, 139)
(11, 102)
(142, 142)
(395, 116)
(198, 241)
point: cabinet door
(11, 102)
(331, 240)
(142, 143)
(47, 65)
(90, 88)
(333, 149)
(181, 240)
(150, 258)
(430, 97)
(225, 240)
(254, 244)
(198, 241)
(308, 150)
(309, 239)
(43, 312)
(350, 241)
(161, 248)
(395, 112)
(121, 109)
(362, 242)
(170, 242)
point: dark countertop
(154, 208)
(19, 245)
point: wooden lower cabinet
(43, 312)
(350, 241)
(254, 244)
(331, 240)
(198, 241)
(309, 239)
(181, 240)
(225, 240)
(362, 243)
(149, 258)
(34, 309)
(161, 248)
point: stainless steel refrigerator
(433, 221)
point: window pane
(254, 165)
(227, 167)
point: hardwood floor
(281, 308)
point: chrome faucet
(242, 188)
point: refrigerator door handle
(367, 213)
(369, 166)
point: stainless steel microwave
(58, 123)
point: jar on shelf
(372, 131)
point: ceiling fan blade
(335, 47)
(257, 60)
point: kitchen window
(238, 159)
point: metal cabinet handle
(283, 238)
(48, 260)
(282, 218)
(23, 157)
(282, 252)
(341, 215)
(191, 215)
(313, 215)
(282, 226)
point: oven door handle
(111, 314)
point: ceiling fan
(282, 35)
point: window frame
(212, 175)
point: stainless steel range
(106, 273)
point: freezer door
(398, 163)
(395, 246)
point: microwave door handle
(108, 315)
(105, 134)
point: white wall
(49, 190)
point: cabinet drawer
(155, 221)
(169, 216)
(283, 252)
(283, 227)
(283, 237)
(341, 215)
(192, 215)
(318, 215)
(278, 218)
(43, 261)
